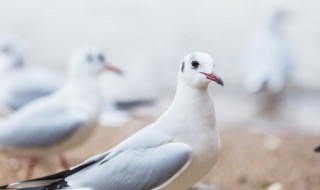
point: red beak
(214, 78)
(113, 69)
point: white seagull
(21, 83)
(269, 62)
(62, 120)
(172, 153)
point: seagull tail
(37, 185)
(317, 149)
(43, 185)
(51, 182)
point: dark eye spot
(182, 67)
(101, 58)
(195, 64)
(89, 58)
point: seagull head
(197, 70)
(276, 18)
(91, 61)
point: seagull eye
(195, 64)
(101, 57)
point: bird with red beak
(196, 74)
(62, 120)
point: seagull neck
(190, 104)
(85, 94)
(188, 97)
(84, 85)
(78, 74)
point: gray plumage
(24, 85)
(146, 169)
(49, 127)
(150, 164)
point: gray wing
(135, 169)
(30, 84)
(40, 130)
(20, 97)
(55, 181)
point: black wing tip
(317, 149)
(60, 177)
(58, 185)
(52, 185)
(4, 187)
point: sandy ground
(249, 160)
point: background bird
(268, 62)
(174, 152)
(21, 83)
(59, 121)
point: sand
(249, 159)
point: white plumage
(174, 152)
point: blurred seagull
(172, 153)
(268, 61)
(61, 120)
(21, 83)
(317, 149)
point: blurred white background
(148, 39)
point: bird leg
(63, 161)
(30, 166)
